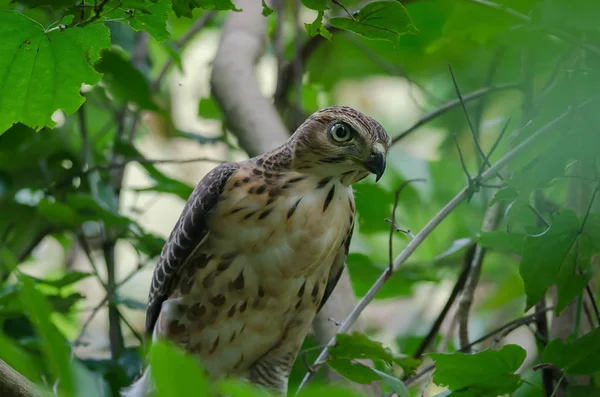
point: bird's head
(340, 141)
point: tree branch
(13, 384)
(420, 237)
(251, 117)
(490, 221)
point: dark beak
(376, 164)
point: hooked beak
(375, 164)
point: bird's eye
(341, 132)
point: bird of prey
(259, 247)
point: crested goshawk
(259, 247)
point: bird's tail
(143, 387)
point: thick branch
(13, 384)
(422, 235)
(251, 117)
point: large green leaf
(488, 373)
(125, 81)
(175, 372)
(184, 7)
(359, 346)
(149, 16)
(579, 357)
(41, 70)
(379, 20)
(364, 272)
(55, 348)
(560, 255)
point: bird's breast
(257, 280)
(293, 228)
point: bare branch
(429, 227)
(490, 222)
(13, 384)
(458, 287)
(392, 221)
(252, 118)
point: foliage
(79, 81)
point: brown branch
(13, 384)
(250, 116)
(458, 287)
(490, 222)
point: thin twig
(590, 294)
(466, 113)
(462, 160)
(458, 287)
(452, 104)
(117, 344)
(393, 219)
(490, 222)
(429, 227)
(88, 321)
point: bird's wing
(337, 268)
(189, 231)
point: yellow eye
(341, 132)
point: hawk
(259, 247)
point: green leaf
(35, 79)
(364, 272)
(380, 20)
(54, 346)
(123, 80)
(329, 391)
(359, 346)
(501, 241)
(175, 372)
(210, 109)
(57, 213)
(317, 27)
(507, 194)
(239, 388)
(184, 7)
(266, 11)
(91, 210)
(488, 373)
(394, 383)
(317, 5)
(163, 183)
(68, 279)
(373, 206)
(544, 254)
(577, 358)
(356, 372)
(131, 303)
(149, 16)
(19, 359)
